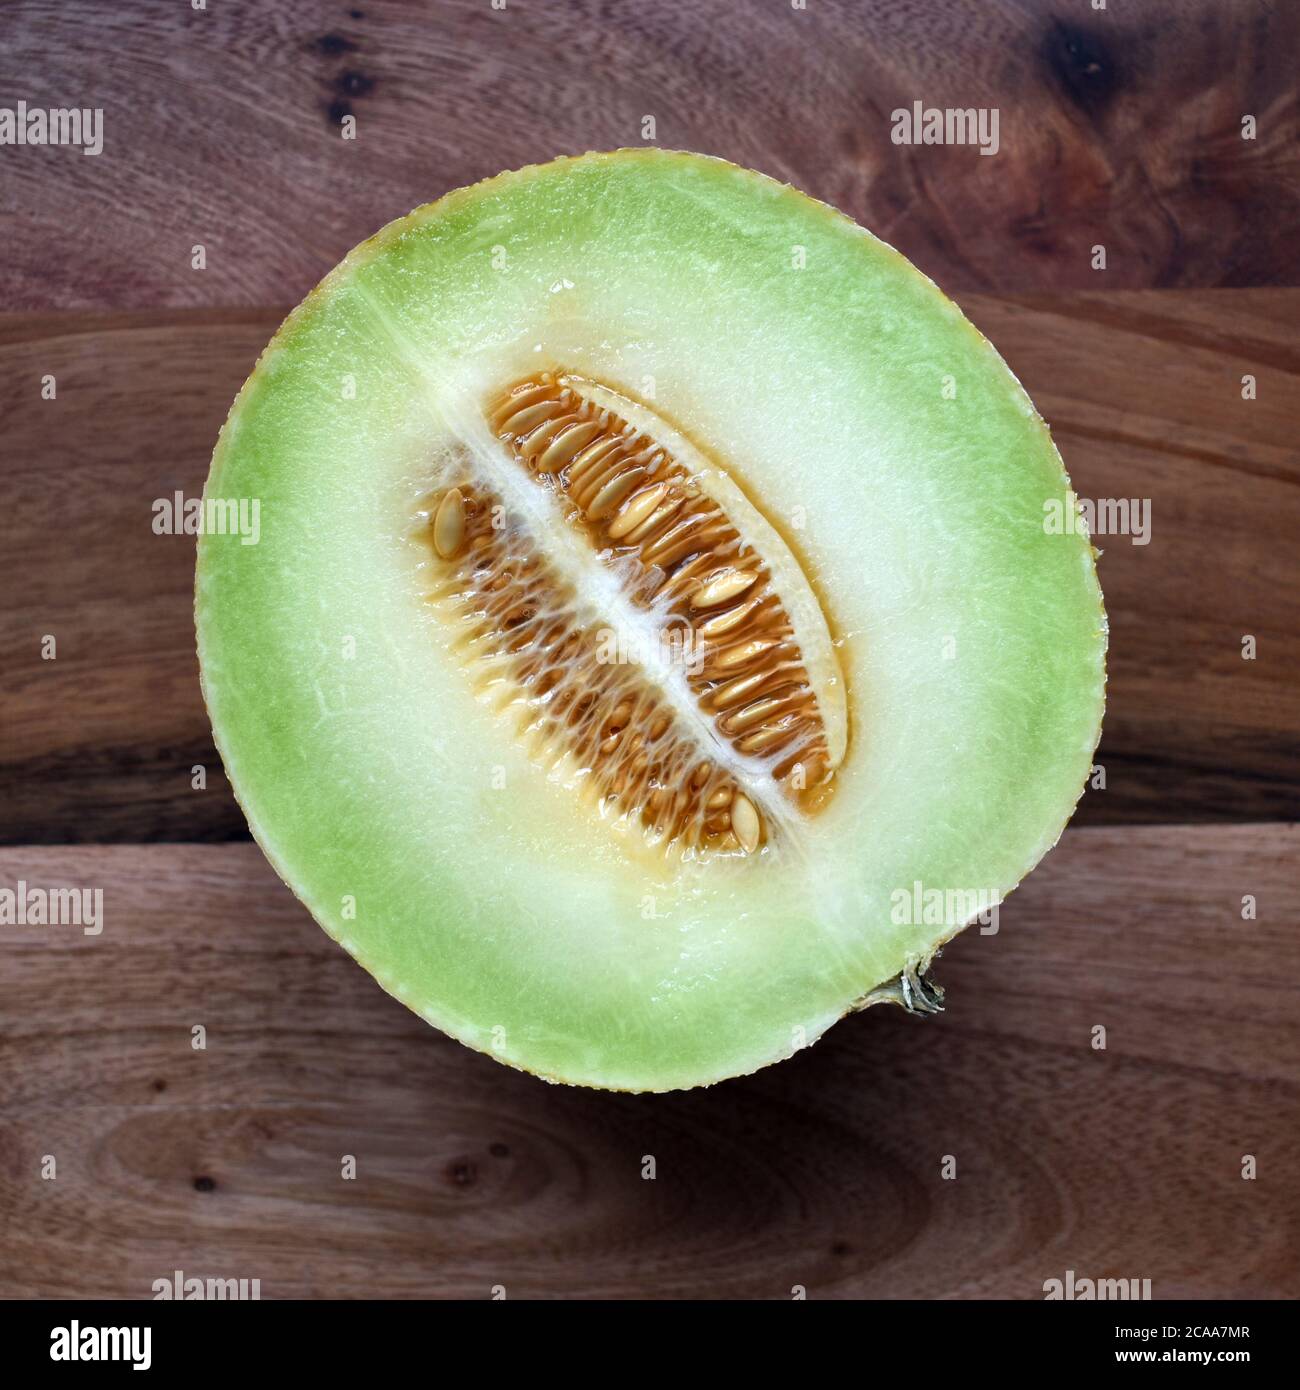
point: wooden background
(1119, 127)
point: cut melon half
(654, 643)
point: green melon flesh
(870, 422)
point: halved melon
(654, 645)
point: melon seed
(636, 509)
(745, 822)
(742, 653)
(565, 444)
(612, 493)
(524, 417)
(449, 525)
(724, 585)
(730, 619)
(542, 436)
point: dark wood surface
(1119, 127)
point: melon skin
(972, 641)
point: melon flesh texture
(809, 359)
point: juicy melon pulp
(614, 870)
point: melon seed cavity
(749, 740)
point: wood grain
(1143, 389)
(1120, 127)
(824, 1171)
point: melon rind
(881, 434)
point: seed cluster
(680, 558)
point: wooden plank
(1144, 390)
(825, 1171)
(1119, 127)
